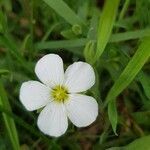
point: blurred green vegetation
(112, 35)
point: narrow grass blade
(61, 44)
(124, 9)
(131, 70)
(106, 23)
(24, 44)
(48, 32)
(112, 114)
(89, 51)
(144, 79)
(23, 124)
(4, 72)
(130, 35)
(64, 11)
(118, 37)
(11, 47)
(9, 122)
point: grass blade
(64, 11)
(11, 47)
(145, 82)
(106, 23)
(118, 37)
(130, 35)
(61, 44)
(112, 114)
(124, 9)
(4, 72)
(25, 125)
(131, 70)
(9, 122)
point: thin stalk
(124, 9)
(32, 27)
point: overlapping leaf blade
(9, 122)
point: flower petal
(53, 119)
(34, 95)
(49, 69)
(82, 110)
(79, 77)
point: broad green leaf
(131, 70)
(9, 122)
(112, 114)
(142, 118)
(140, 144)
(64, 11)
(106, 23)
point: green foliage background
(112, 35)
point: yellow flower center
(60, 93)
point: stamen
(60, 93)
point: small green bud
(77, 29)
(89, 51)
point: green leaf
(89, 51)
(106, 23)
(124, 9)
(145, 81)
(118, 37)
(4, 72)
(64, 11)
(142, 118)
(68, 34)
(25, 125)
(140, 144)
(61, 44)
(116, 148)
(24, 44)
(3, 22)
(112, 114)
(131, 70)
(9, 122)
(12, 48)
(66, 44)
(92, 34)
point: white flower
(59, 95)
